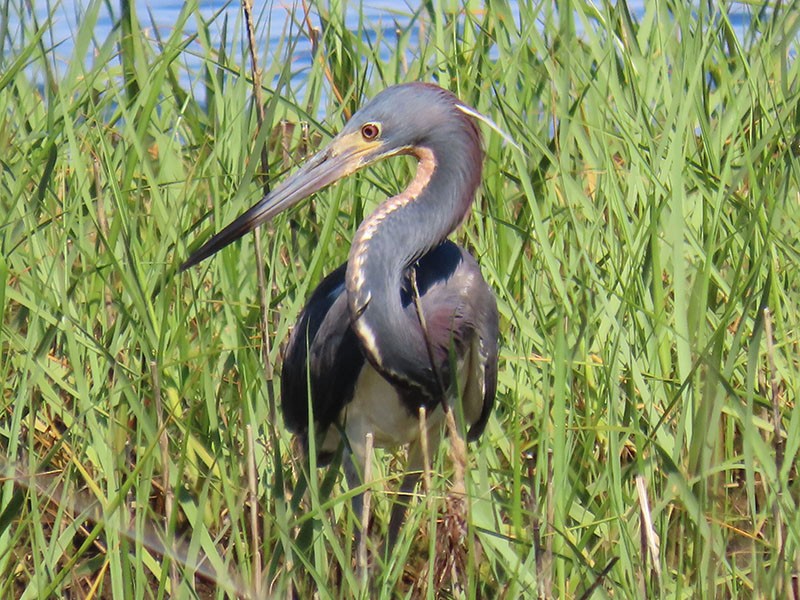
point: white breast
(376, 408)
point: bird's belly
(377, 408)
(382, 412)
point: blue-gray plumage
(359, 346)
(449, 284)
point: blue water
(272, 21)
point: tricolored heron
(408, 321)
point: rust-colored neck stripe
(366, 232)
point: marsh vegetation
(643, 246)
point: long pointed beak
(331, 164)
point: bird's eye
(370, 131)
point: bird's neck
(400, 231)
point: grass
(643, 247)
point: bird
(408, 321)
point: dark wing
(460, 310)
(324, 341)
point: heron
(408, 321)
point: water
(272, 20)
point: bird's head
(399, 120)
